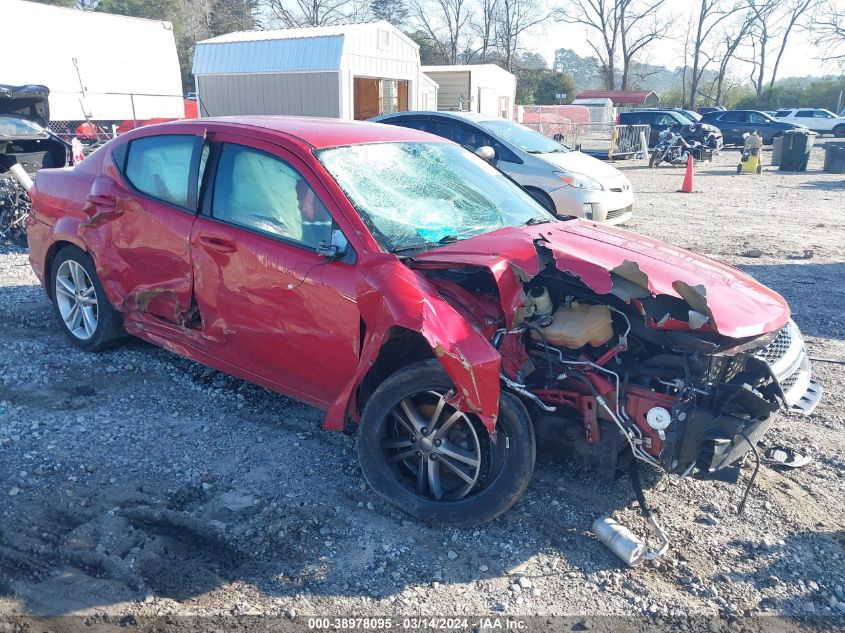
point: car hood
(28, 102)
(580, 163)
(614, 261)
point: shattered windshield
(523, 137)
(417, 195)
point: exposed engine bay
(606, 385)
(611, 386)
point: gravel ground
(136, 483)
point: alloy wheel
(76, 299)
(434, 447)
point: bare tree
(513, 19)
(446, 23)
(796, 10)
(828, 25)
(731, 41)
(622, 26)
(762, 30)
(773, 22)
(291, 13)
(710, 15)
(602, 18)
(641, 22)
(484, 28)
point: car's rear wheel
(839, 131)
(437, 463)
(86, 316)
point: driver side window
(258, 191)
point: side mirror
(486, 152)
(334, 250)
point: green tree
(394, 11)
(429, 53)
(552, 84)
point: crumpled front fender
(390, 294)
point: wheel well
(543, 198)
(54, 249)
(402, 347)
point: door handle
(103, 200)
(219, 244)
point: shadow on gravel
(831, 185)
(796, 575)
(815, 293)
(126, 541)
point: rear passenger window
(160, 166)
(258, 191)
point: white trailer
(483, 88)
(352, 71)
(97, 65)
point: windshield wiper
(411, 247)
(534, 221)
(446, 239)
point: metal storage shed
(484, 88)
(98, 65)
(346, 71)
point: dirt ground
(136, 483)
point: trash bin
(777, 150)
(796, 150)
(834, 157)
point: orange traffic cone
(687, 186)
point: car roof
(460, 116)
(319, 132)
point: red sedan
(396, 280)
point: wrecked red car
(398, 281)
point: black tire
(109, 324)
(543, 198)
(655, 157)
(839, 131)
(504, 467)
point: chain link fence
(599, 139)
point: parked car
(734, 124)
(567, 182)
(26, 145)
(705, 109)
(662, 120)
(399, 281)
(692, 115)
(816, 119)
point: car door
(763, 126)
(268, 303)
(731, 124)
(141, 209)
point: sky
(799, 59)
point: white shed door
(487, 101)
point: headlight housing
(579, 181)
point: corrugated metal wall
(453, 86)
(303, 94)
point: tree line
(721, 36)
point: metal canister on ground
(621, 541)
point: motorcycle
(674, 149)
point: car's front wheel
(839, 131)
(86, 316)
(437, 463)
